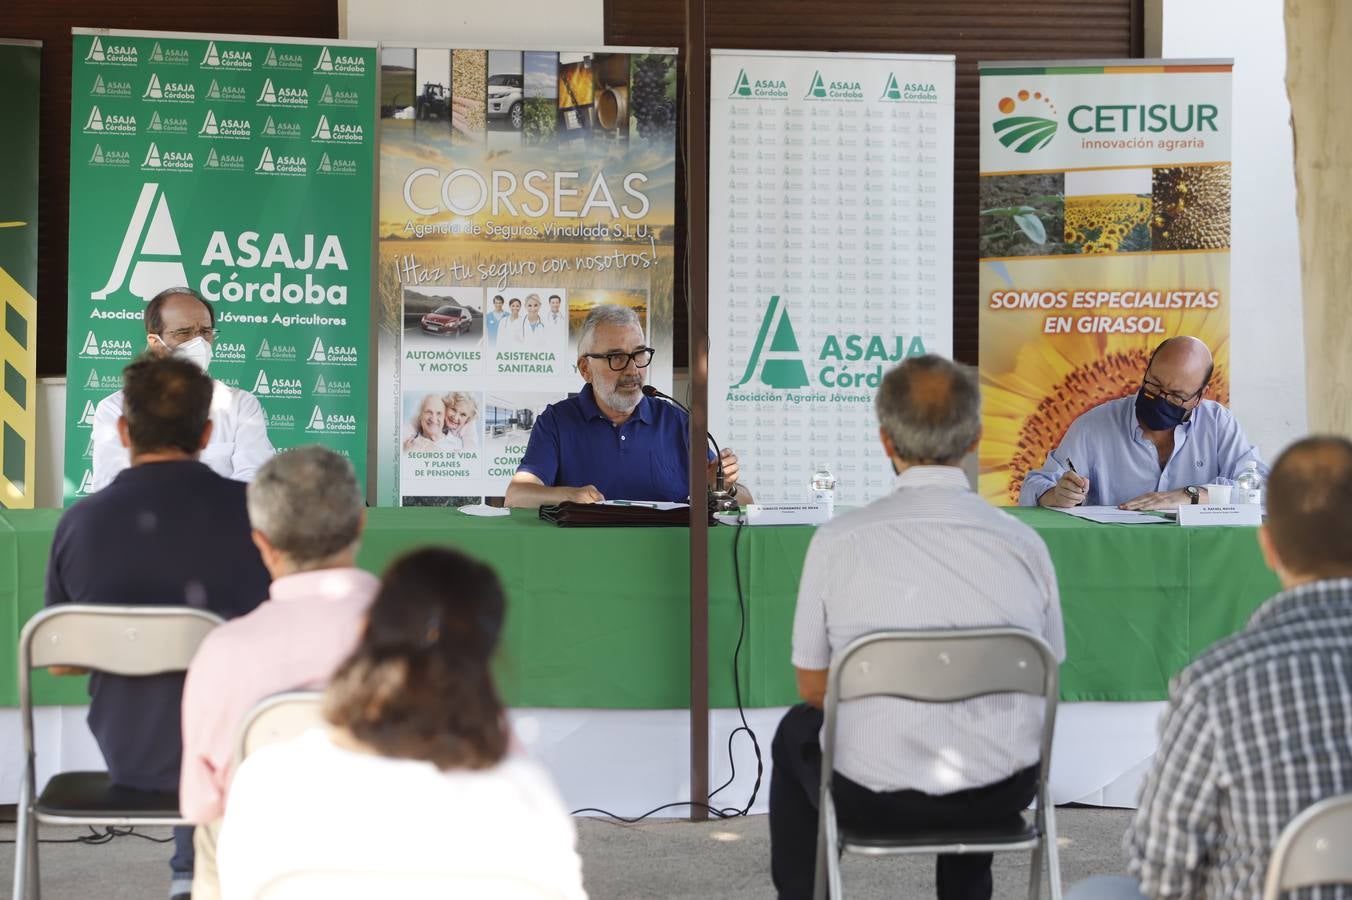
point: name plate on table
(1219, 514)
(787, 514)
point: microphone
(721, 496)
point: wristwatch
(1194, 493)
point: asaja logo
(333, 355)
(89, 448)
(225, 128)
(98, 123)
(763, 89)
(86, 483)
(281, 422)
(93, 348)
(280, 164)
(777, 359)
(332, 387)
(149, 257)
(272, 95)
(226, 59)
(337, 133)
(276, 387)
(331, 423)
(1025, 133)
(781, 363)
(112, 158)
(909, 92)
(340, 64)
(330, 166)
(330, 97)
(226, 93)
(87, 414)
(169, 56)
(279, 129)
(283, 60)
(277, 352)
(224, 162)
(97, 382)
(227, 352)
(167, 160)
(167, 124)
(169, 91)
(107, 87)
(820, 89)
(112, 54)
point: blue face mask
(1159, 414)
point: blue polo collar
(586, 399)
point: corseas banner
(830, 255)
(20, 65)
(518, 191)
(1104, 229)
(242, 167)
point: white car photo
(504, 98)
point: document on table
(1111, 515)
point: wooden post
(695, 138)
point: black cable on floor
(716, 812)
(95, 837)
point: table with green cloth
(599, 617)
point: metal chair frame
(119, 640)
(940, 666)
(1314, 848)
(275, 718)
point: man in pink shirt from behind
(307, 513)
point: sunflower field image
(1191, 207)
(1023, 215)
(1035, 384)
(1108, 212)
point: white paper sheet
(1111, 515)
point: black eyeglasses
(183, 335)
(620, 361)
(1153, 390)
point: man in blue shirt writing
(1156, 449)
(610, 441)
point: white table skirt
(629, 761)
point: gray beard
(617, 401)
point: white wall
(1267, 345)
(500, 23)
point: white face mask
(196, 351)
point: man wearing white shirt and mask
(180, 323)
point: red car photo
(452, 320)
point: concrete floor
(655, 859)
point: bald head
(1181, 365)
(1309, 506)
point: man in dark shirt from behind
(168, 531)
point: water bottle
(824, 489)
(1248, 486)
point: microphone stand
(720, 498)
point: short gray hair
(606, 314)
(307, 503)
(931, 409)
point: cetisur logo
(1025, 133)
(781, 364)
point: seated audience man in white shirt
(306, 511)
(415, 778)
(932, 554)
(180, 323)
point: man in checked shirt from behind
(1259, 727)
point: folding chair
(940, 667)
(277, 718)
(120, 640)
(1314, 848)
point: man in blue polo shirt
(610, 442)
(166, 531)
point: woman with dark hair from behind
(413, 777)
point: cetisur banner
(518, 191)
(1104, 229)
(20, 65)
(242, 167)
